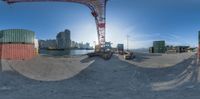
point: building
(181, 49)
(87, 45)
(80, 45)
(63, 40)
(42, 44)
(159, 46)
(73, 44)
(170, 49)
(83, 45)
(178, 49)
(191, 49)
(48, 44)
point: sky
(144, 21)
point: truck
(120, 49)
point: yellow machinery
(105, 54)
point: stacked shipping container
(17, 36)
(17, 44)
(159, 46)
(17, 51)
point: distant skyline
(175, 21)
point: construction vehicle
(128, 55)
(98, 8)
(106, 54)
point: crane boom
(98, 8)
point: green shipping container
(17, 36)
(159, 46)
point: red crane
(98, 8)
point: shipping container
(17, 36)
(159, 46)
(17, 51)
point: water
(64, 52)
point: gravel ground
(149, 60)
(47, 68)
(113, 79)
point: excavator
(98, 10)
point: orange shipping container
(17, 51)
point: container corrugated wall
(17, 36)
(17, 51)
(17, 44)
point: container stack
(159, 46)
(17, 44)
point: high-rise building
(87, 45)
(63, 40)
(73, 44)
(80, 45)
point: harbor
(99, 49)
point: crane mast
(98, 8)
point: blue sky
(176, 21)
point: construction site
(107, 73)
